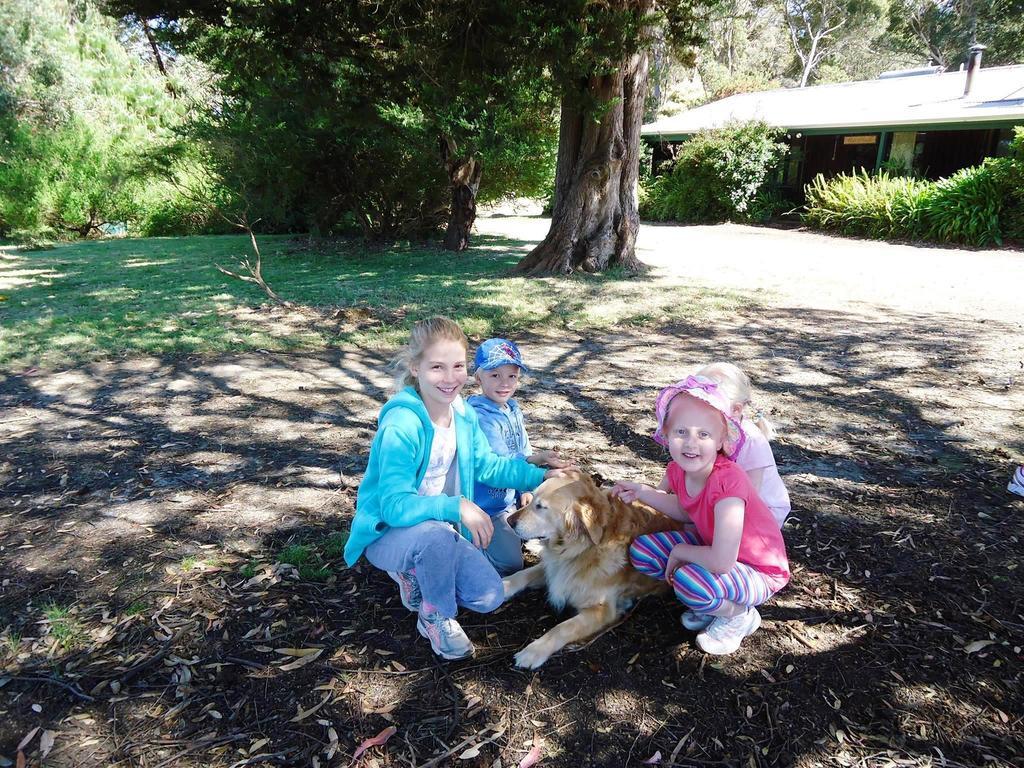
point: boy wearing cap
(499, 366)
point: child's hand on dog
(561, 472)
(551, 459)
(627, 491)
(477, 522)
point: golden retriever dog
(585, 535)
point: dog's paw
(514, 584)
(510, 588)
(532, 656)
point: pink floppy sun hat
(706, 391)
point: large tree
(820, 29)
(942, 31)
(602, 67)
(368, 91)
(594, 219)
(331, 115)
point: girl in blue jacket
(414, 517)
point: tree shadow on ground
(154, 499)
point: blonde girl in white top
(754, 454)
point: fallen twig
(464, 743)
(203, 745)
(244, 662)
(275, 757)
(75, 691)
(132, 672)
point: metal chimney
(973, 65)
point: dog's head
(567, 507)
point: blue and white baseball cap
(494, 353)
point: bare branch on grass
(252, 270)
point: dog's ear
(586, 520)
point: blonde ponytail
(735, 385)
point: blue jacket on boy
(506, 432)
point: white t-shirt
(442, 469)
(756, 453)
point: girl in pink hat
(735, 558)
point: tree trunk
(158, 58)
(594, 220)
(809, 63)
(464, 176)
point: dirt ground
(152, 499)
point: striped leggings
(696, 587)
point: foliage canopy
(719, 175)
(76, 112)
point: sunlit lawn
(99, 299)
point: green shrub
(863, 204)
(167, 211)
(979, 206)
(717, 176)
(77, 109)
(964, 208)
(769, 203)
(66, 181)
(1009, 175)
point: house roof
(997, 96)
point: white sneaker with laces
(1016, 484)
(445, 635)
(694, 621)
(723, 636)
(408, 589)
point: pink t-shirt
(761, 545)
(756, 453)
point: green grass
(102, 299)
(12, 642)
(64, 628)
(309, 559)
(297, 554)
(248, 570)
(334, 547)
(306, 560)
(135, 609)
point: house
(930, 121)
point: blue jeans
(450, 570)
(506, 549)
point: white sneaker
(694, 621)
(408, 589)
(723, 636)
(1017, 482)
(445, 635)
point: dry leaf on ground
(377, 741)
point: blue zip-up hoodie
(399, 454)
(506, 432)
